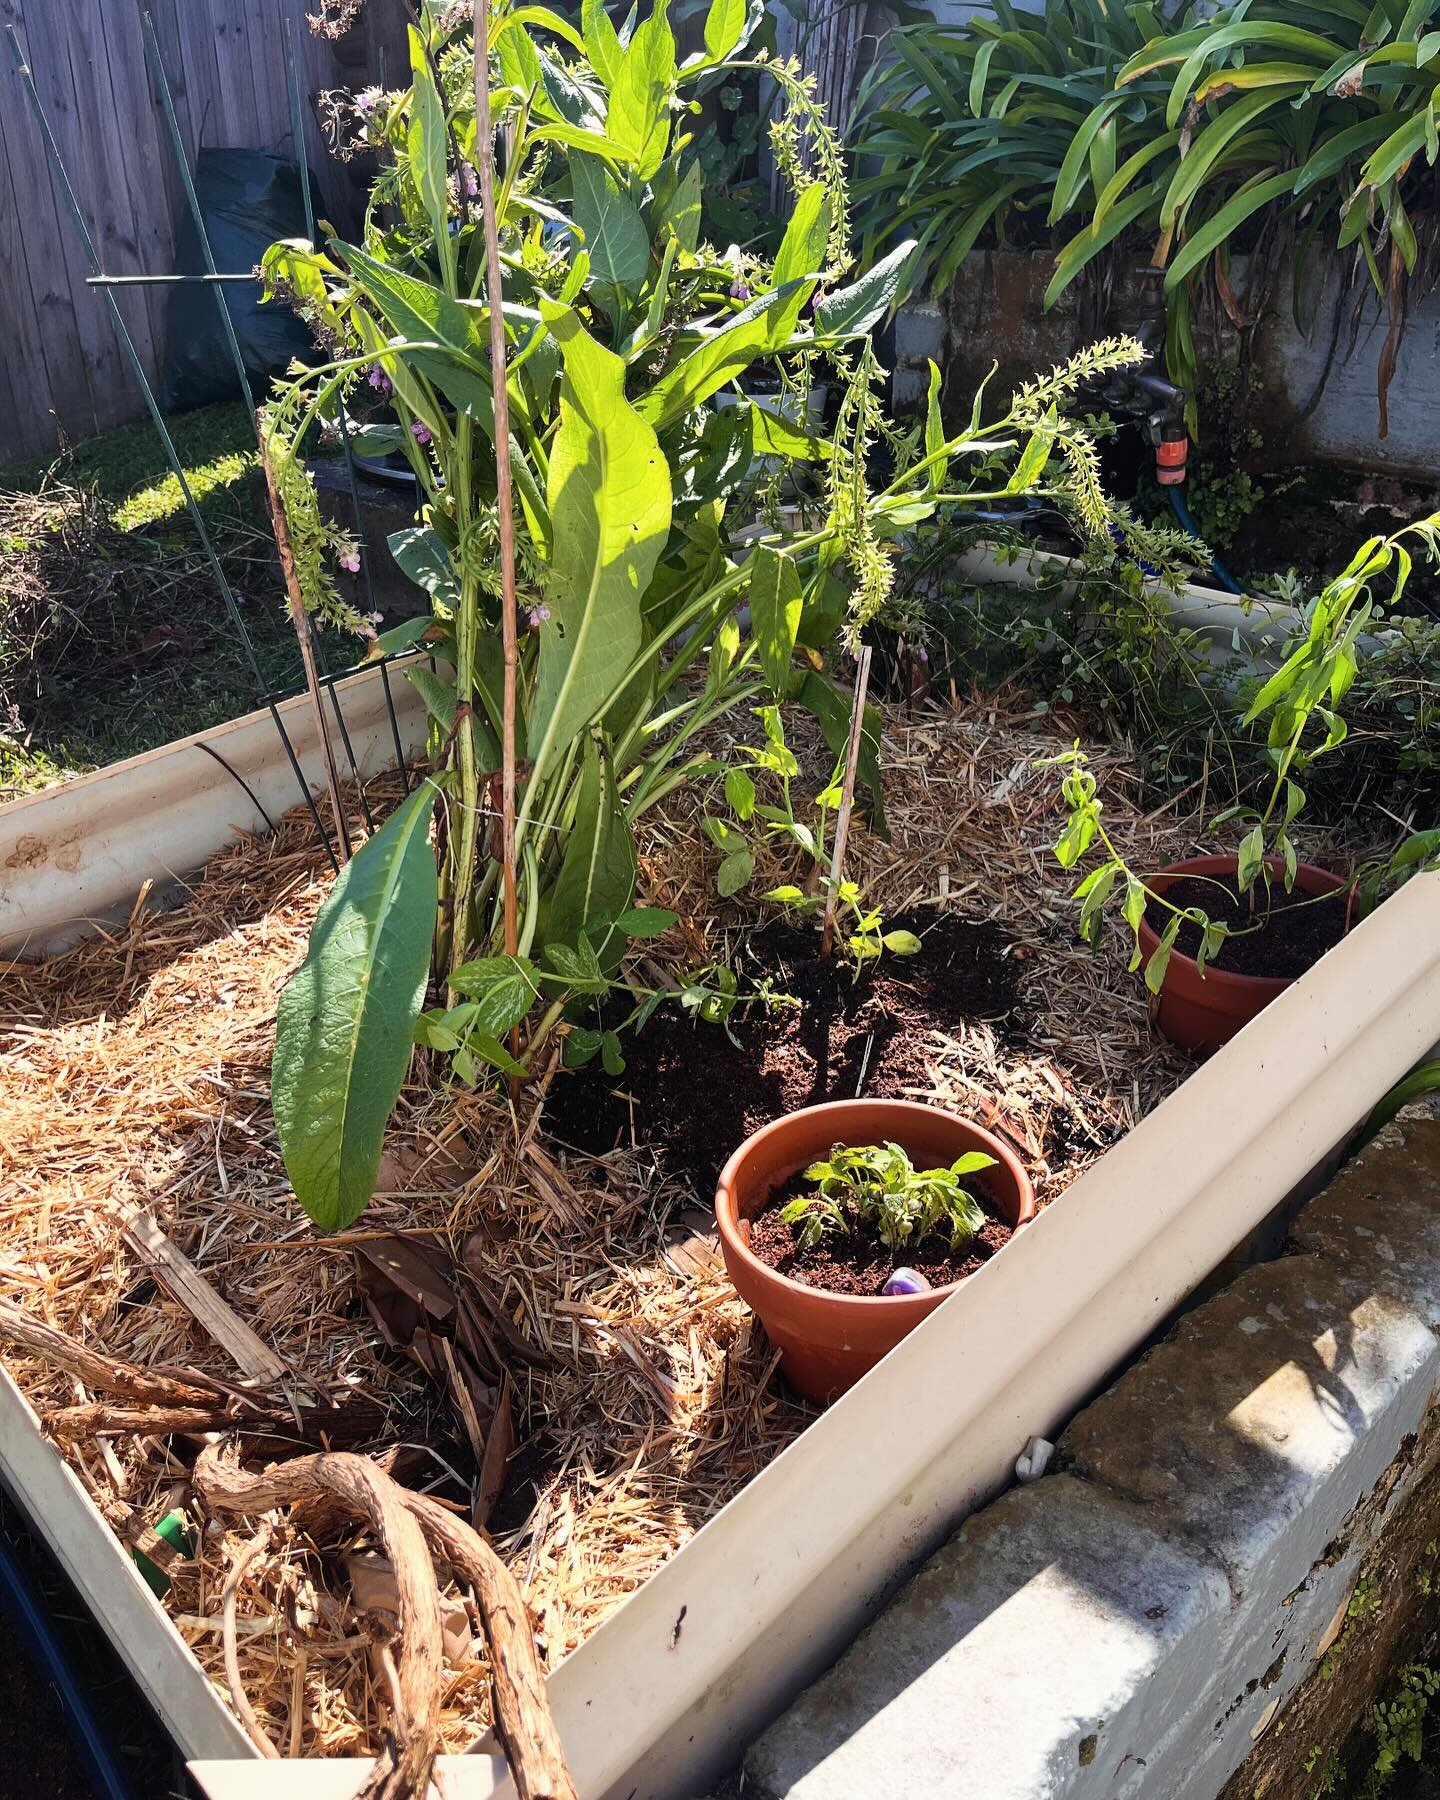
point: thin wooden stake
(847, 798)
(302, 633)
(494, 299)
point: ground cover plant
(635, 541)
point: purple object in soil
(906, 1281)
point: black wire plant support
(217, 280)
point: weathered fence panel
(60, 369)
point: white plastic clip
(1034, 1459)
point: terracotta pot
(828, 1341)
(1203, 1012)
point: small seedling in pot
(1114, 878)
(877, 1188)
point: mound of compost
(694, 1090)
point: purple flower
(350, 561)
(469, 181)
(922, 655)
(367, 99)
(538, 615)
(739, 290)
(376, 618)
(420, 432)
(379, 380)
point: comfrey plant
(633, 559)
(877, 1188)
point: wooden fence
(60, 367)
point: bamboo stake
(302, 633)
(847, 798)
(494, 299)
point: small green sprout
(877, 1185)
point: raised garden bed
(642, 1399)
(153, 1047)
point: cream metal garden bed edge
(670, 1688)
(81, 851)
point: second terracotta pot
(828, 1341)
(1203, 1012)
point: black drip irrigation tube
(29, 1620)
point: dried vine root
(406, 1524)
(402, 1771)
(521, 1710)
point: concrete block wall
(1314, 407)
(1137, 1622)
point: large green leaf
(682, 216)
(851, 311)
(610, 509)
(420, 555)
(775, 608)
(602, 41)
(422, 313)
(596, 882)
(723, 354)
(802, 249)
(726, 27)
(345, 1021)
(638, 115)
(426, 145)
(615, 234)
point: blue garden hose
(33, 1628)
(1186, 520)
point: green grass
(114, 692)
(129, 470)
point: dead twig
(257, 1547)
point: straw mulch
(133, 1073)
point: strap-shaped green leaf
(775, 607)
(610, 509)
(344, 1025)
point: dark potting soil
(695, 1090)
(859, 1263)
(1295, 930)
